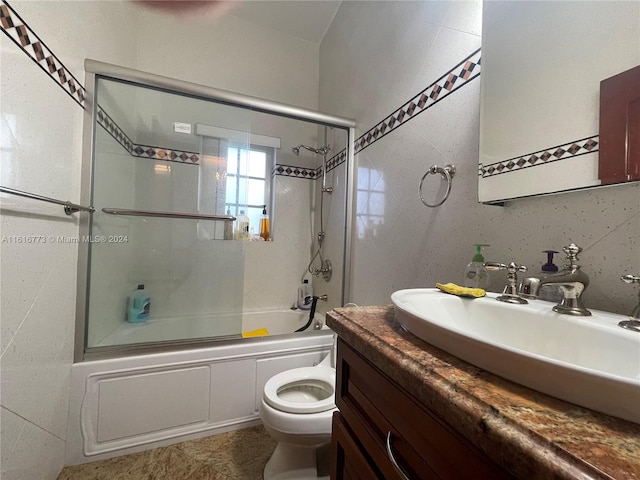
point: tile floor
(238, 455)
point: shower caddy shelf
(69, 207)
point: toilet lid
(302, 390)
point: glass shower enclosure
(175, 172)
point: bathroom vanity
(402, 400)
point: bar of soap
(454, 289)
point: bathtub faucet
(312, 311)
(313, 299)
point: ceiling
(305, 19)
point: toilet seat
(302, 390)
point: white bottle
(305, 290)
(242, 230)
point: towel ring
(448, 172)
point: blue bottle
(139, 305)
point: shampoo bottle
(476, 275)
(139, 305)
(550, 293)
(265, 231)
(304, 291)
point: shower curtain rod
(69, 207)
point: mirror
(542, 63)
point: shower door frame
(95, 69)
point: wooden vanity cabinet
(371, 407)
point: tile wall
(41, 149)
(375, 58)
(399, 243)
(41, 153)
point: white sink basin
(589, 361)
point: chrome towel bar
(152, 213)
(69, 207)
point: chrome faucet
(510, 292)
(634, 319)
(571, 280)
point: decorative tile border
(166, 154)
(465, 71)
(293, 171)
(106, 122)
(573, 149)
(333, 162)
(25, 38)
(457, 77)
(143, 151)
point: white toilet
(296, 410)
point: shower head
(321, 150)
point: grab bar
(151, 213)
(69, 207)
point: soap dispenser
(265, 231)
(476, 275)
(551, 293)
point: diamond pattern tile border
(26, 39)
(112, 128)
(21, 34)
(573, 149)
(293, 171)
(457, 77)
(143, 151)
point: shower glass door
(164, 153)
(175, 172)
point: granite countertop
(530, 434)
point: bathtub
(128, 404)
(224, 326)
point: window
(248, 181)
(371, 202)
(235, 174)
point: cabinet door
(619, 159)
(379, 411)
(347, 460)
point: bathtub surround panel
(130, 404)
(180, 397)
(226, 374)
